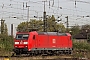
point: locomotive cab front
(21, 43)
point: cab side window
(33, 37)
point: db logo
(54, 40)
(21, 42)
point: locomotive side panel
(53, 41)
(42, 41)
(70, 42)
(59, 42)
(63, 41)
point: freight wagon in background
(38, 43)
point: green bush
(6, 42)
(81, 45)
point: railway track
(42, 57)
(61, 57)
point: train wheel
(70, 52)
(18, 54)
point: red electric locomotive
(35, 43)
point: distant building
(82, 36)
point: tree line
(53, 25)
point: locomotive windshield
(22, 36)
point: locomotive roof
(52, 33)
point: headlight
(15, 46)
(25, 42)
(16, 42)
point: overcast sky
(17, 8)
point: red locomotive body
(42, 42)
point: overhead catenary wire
(80, 1)
(64, 8)
(41, 3)
(13, 6)
(56, 7)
